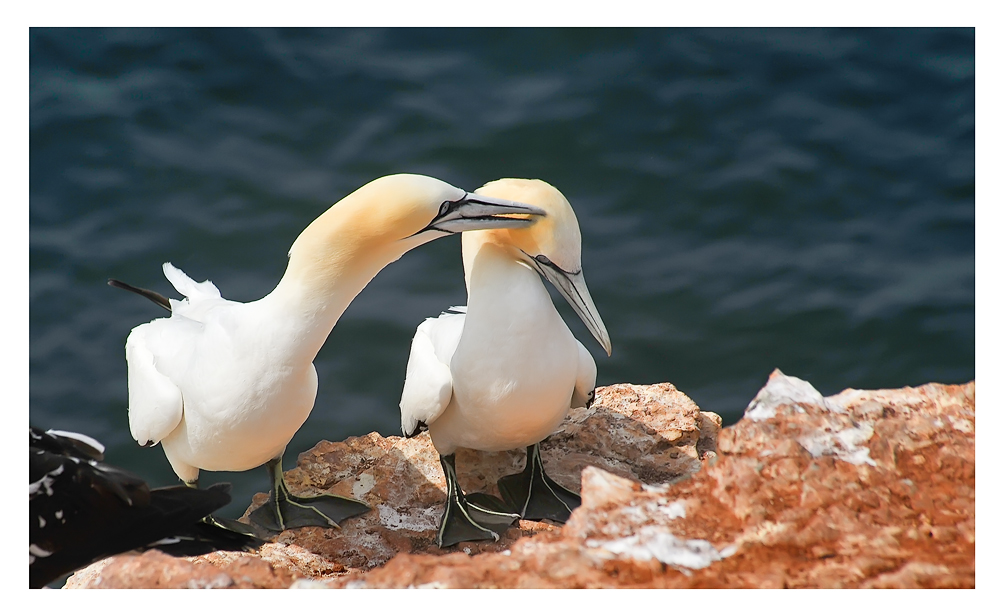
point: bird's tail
(152, 296)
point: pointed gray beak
(573, 287)
(474, 212)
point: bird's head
(383, 219)
(407, 206)
(551, 246)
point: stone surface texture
(863, 489)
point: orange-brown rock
(860, 489)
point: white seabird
(504, 372)
(225, 385)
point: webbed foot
(535, 495)
(284, 510)
(476, 517)
(299, 511)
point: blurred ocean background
(749, 199)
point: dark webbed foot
(476, 517)
(488, 502)
(299, 511)
(536, 495)
(284, 510)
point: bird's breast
(514, 369)
(245, 395)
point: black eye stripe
(448, 206)
(548, 263)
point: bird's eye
(543, 260)
(445, 208)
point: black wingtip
(421, 427)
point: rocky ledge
(863, 489)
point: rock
(274, 565)
(154, 569)
(861, 489)
(600, 488)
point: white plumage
(224, 385)
(503, 372)
(427, 387)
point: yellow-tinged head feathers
(403, 206)
(551, 246)
(373, 226)
(557, 235)
(390, 208)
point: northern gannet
(225, 385)
(503, 372)
(82, 510)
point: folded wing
(155, 404)
(427, 388)
(586, 378)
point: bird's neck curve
(330, 262)
(499, 281)
(487, 251)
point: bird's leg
(536, 495)
(284, 510)
(226, 523)
(465, 519)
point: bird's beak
(474, 212)
(573, 287)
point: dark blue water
(749, 199)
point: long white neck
(501, 287)
(329, 264)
